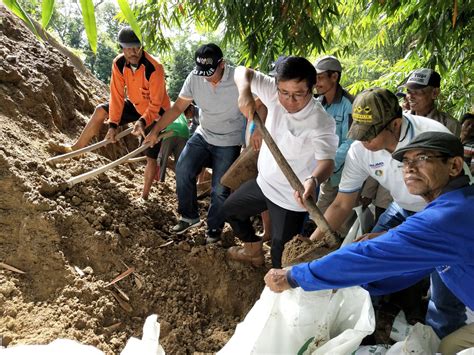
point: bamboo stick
(89, 148)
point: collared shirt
(341, 110)
(446, 120)
(221, 122)
(303, 137)
(362, 163)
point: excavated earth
(71, 243)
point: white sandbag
(295, 320)
(372, 350)
(400, 328)
(351, 318)
(469, 351)
(56, 347)
(363, 224)
(421, 340)
(149, 344)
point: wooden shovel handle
(89, 148)
(314, 212)
(90, 174)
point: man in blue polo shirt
(216, 142)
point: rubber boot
(250, 253)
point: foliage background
(379, 42)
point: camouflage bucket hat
(373, 109)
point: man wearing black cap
(216, 142)
(423, 88)
(436, 240)
(137, 94)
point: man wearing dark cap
(216, 142)
(338, 103)
(379, 128)
(423, 88)
(137, 94)
(436, 240)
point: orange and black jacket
(146, 89)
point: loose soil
(70, 244)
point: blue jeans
(196, 155)
(445, 312)
(393, 216)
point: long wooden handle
(90, 174)
(314, 212)
(89, 148)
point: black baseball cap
(445, 143)
(207, 58)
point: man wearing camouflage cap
(436, 240)
(423, 88)
(379, 128)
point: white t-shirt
(362, 163)
(303, 138)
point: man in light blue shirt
(338, 103)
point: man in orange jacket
(137, 94)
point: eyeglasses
(296, 96)
(420, 160)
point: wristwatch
(314, 178)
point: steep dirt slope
(97, 228)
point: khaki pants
(461, 339)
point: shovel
(49, 189)
(330, 239)
(90, 174)
(89, 148)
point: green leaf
(128, 13)
(15, 7)
(87, 7)
(47, 7)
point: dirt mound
(71, 244)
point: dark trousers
(198, 154)
(249, 201)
